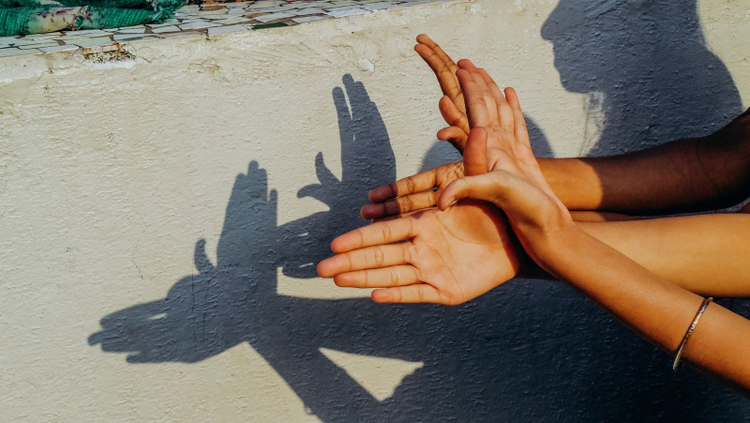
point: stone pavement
(210, 19)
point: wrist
(556, 248)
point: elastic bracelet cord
(689, 332)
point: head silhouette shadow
(646, 67)
(495, 358)
(650, 78)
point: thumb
(475, 153)
(490, 187)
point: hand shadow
(367, 161)
(495, 358)
(235, 301)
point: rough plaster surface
(159, 215)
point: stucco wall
(159, 217)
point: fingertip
(369, 211)
(465, 64)
(322, 269)
(512, 96)
(445, 102)
(446, 199)
(338, 245)
(421, 38)
(340, 281)
(380, 194)
(442, 134)
(381, 296)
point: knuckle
(349, 262)
(408, 253)
(386, 232)
(394, 188)
(406, 204)
(395, 278)
(379, 258)
(410, 185)
(391, 207)
(340, 281)
(433, 196)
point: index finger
(413, 184)
(426, 40)
(375, 234)
(446, 74)
(476, 107)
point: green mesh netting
(21, 17)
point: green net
(22, 17)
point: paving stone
(16, 51)
(58, 48)
(130, 37)
(90, 42)
(191, 21)
(163, 29)
(273, 17)
(310, 19)
(141, 30)
(226, 29)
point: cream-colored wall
(110, 173)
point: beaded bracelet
(677, 358)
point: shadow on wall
(527, 351)
(646, 68)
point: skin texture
(501, 170)
(685, 175)
(697, 174)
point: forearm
(706, 254)
(686, 175)
(658, 310)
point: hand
(417, 192)
(452, 256)
(421, 191)
(452, 105)
(500, 165)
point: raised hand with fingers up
(457, 254)
(421, 191)
(452, 105)
(446, 257)
(505, 171)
